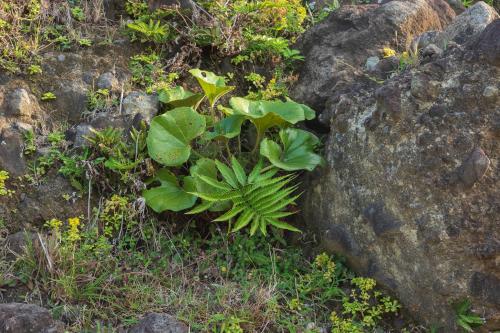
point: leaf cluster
(194, 136)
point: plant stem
(227, 148)
(267, 168)
(257, 142)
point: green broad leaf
(297, 152)
(213, 86)
(204, 173)
(170, 195)
(179, 97)
(228, 128)
(267, 114)
(227, 111)
(227, 174)
(171, 133)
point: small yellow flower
(73, 232)
(223, 269)
(55, 225)
(388, 52)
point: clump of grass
(115, 268)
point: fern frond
(259, 199)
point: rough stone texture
(470, 22)
(21, 105)
(139, 105)
(159, 323)
(489, 43)
(352, 34)
(411, 190)
(27, 318)
(11, 151)
(108, 81)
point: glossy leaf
(213, 86)
(179, 97)
(267, 114)
(296, 152)
(170, 195)
(171, 133)
(229, 127)
(204, 173)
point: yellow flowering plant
(73, 233)
(4, 176)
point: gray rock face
(411, 190)
(72, 97)
(352, 34)
(159, 323)
(27, 318)
(22, 105)
(11, 151)
(81, 131)
(141, 105)
(107, 81)
(471, 22)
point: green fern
(152, 32)
(258, 199)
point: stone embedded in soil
(108, 81)
(11, 151)
(22, 105)
(141, 105)
(474, 167)
(27, 318)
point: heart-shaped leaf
(213, 86)
(178, 97)
(267, 114)
(171, 133)
(297, 152)
(170, 195)
(228, 128)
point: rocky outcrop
(70, 77)
(352, 34)
(27, 318)
(410, 194)
(469, 23)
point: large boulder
(463, 28)
(27, 318)
(352, 34)
(411, 190)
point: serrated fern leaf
(258, 200)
